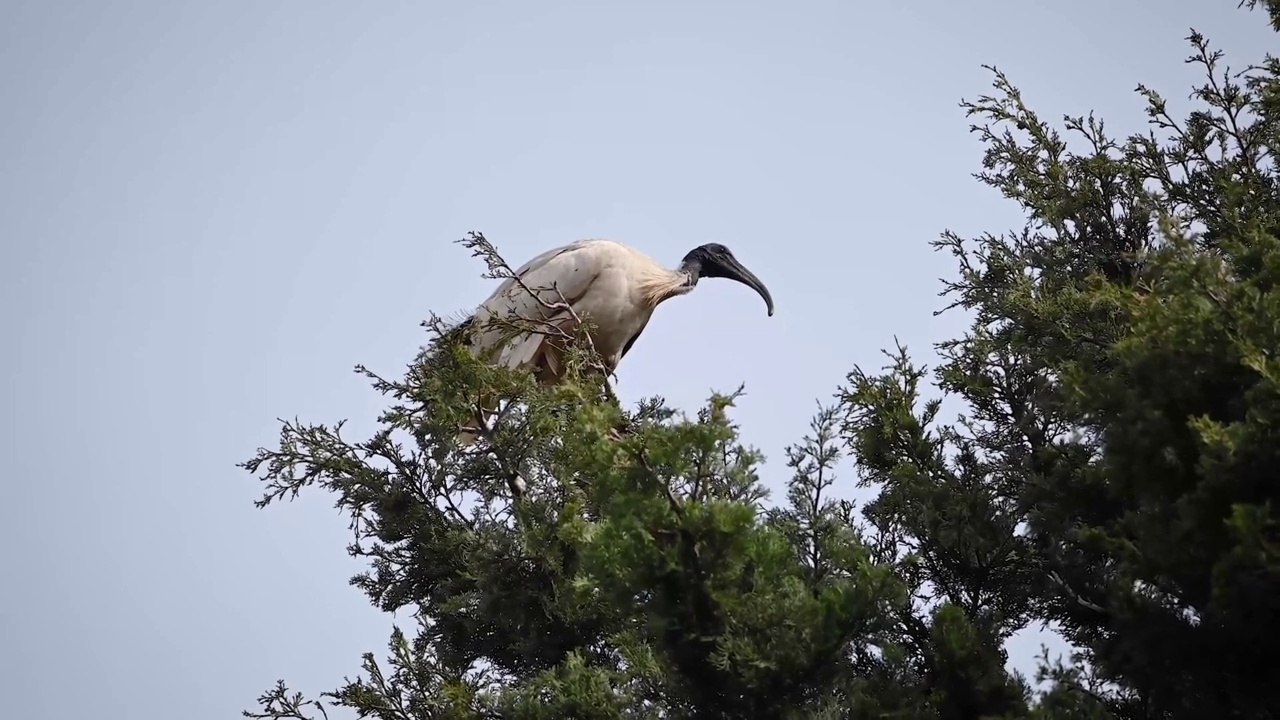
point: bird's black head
(714, 260)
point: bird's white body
(613, 285)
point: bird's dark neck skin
(692, 268)
(696, 264)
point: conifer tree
(1116, 471)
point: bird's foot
(620, 432)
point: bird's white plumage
(602, 280)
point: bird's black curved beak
(736, 271)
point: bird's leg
(610, 394)
(620, 431)
(623, 427)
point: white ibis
(613, 285)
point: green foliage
(1112, 473)
(1120, 383)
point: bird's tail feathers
(522, 351)
(458, 327)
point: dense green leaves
(1113, 473)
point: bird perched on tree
(613, 285)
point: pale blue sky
(212, 210)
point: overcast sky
(212, 210)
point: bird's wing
(508, 284)
(563, 274)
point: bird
(613, 285)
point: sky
(209, 212)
